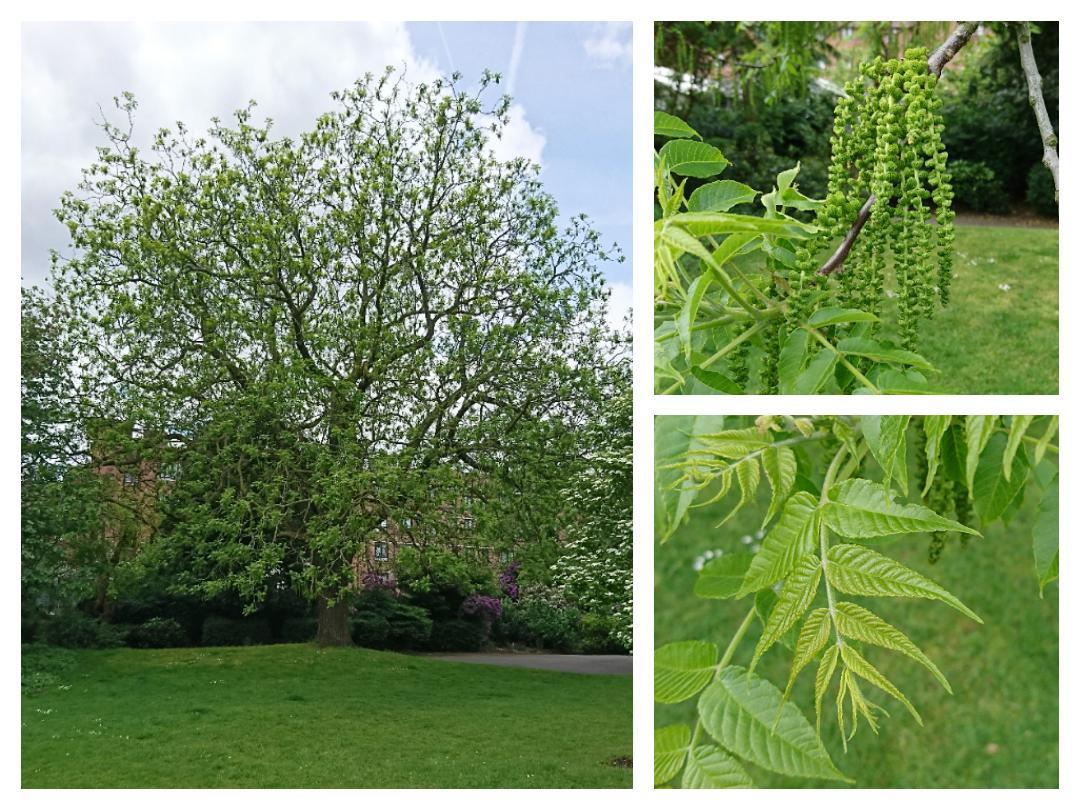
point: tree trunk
(333, 623)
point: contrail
(515, 57)
(446, 47)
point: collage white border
(645, 404)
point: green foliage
(978, 188)
(220, 631)
(800, 560)
(756, 291)
(1041, 195)
(362, 324)
(298, 630)
(78, 631)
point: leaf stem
(823, 537)
(725, 659)
(858, 375)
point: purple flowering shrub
(374, 581)
(508, 581)
(485, 608)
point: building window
(467, 522)
(407, 523)
(382, 550)
(504, 557)
(129, 479)
(170, 472)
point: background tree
(341, 326)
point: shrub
(485, 608)
(77, 630)
(439, 580)
(219, 631)
(977, 188)
(541, 619)
(410, 627)
(299, 630)
(600, 635)
(457, 635)
(369, 629)
(1040, 191)
(157, 633)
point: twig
(935, 63)
(1038, 105)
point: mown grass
(1000, 727)
(297, 716)
(995, 341)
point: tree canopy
(372, 319)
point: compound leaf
(860, 571)
(748, 716)
(865, 509)
(682, 669)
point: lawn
(991, 340)
(998, 730)
(297, 716)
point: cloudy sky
(570, 82)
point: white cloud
(618, 308)
(519, 138)
(515, 57)
(610, 45)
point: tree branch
(1038, 105)
(935, 63)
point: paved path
(584, 664)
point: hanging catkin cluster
(887, 142)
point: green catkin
(771, 340)
(887, 141)
(962, 507)
(738, 365)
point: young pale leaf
(677, 437)
(688, 314)
(856, 622)
(859, 571)
(792, 537)
(682, 669)
(823, 678)
(1045, 537)
(780, 468)
(749, 475)
(978, 430)
(1044, 442)
(865, 670)
(812, 639)
(670, 745)
(790, 363)
(721, 195)
(721, 577)
(934, 427)
(693, 158)
(798, 592)
(709, 766)
(669, 126)
(732, 443)
(1017, 428)
(739, 710)
(995, 490)
(710, 223)
(830, 315)
(886, 436)
(817, 372)
(864, 509)
(734, 245)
